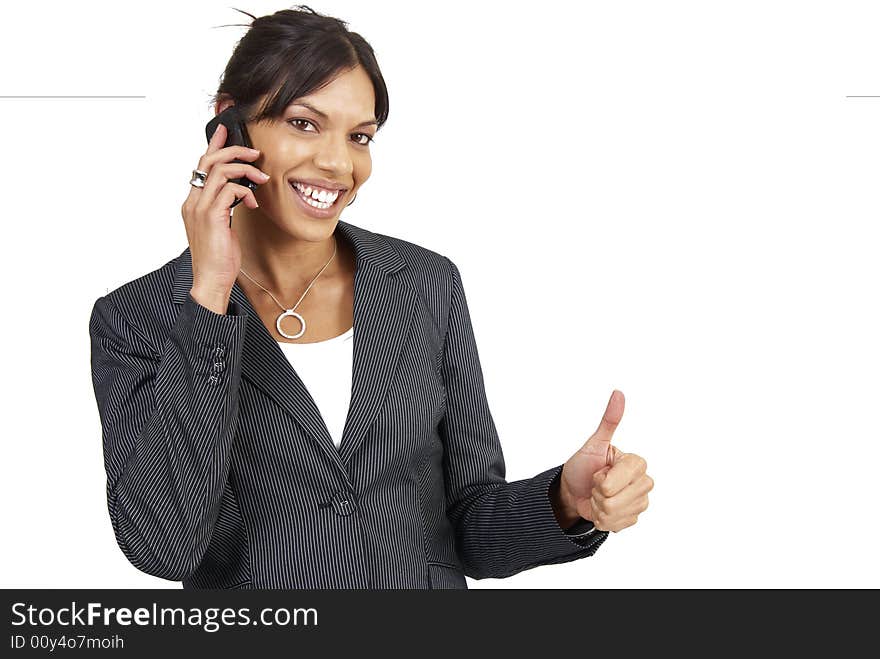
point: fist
(620, 493)
(601, 483)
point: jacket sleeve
(168, 418)
(501, 528)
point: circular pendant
(291, 312)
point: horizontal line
(863, 96)
(72, 96)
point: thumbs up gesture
(602, 484)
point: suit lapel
(383, 308)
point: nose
(333, 155)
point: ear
(223, 103)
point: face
(321, 143)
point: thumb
(599, 444)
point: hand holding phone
(207, 211)
(236, 135)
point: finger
(596, 494)
(635, 488)
(228, 194)
(599, 516)
(598, 478)
(627, 469)
(211, 161)
(215, 153)
(607, 513)
(223, 172)
(641, 485)
(220, 175)
(599, 444)
(631, 500)
(613, 414)
(218, 139)
(614, 518)
(227, 155)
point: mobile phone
(236, 135)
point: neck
(283, 263)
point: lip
(320, 183)
(318, 213)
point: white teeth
(322, 196)
(314, 198)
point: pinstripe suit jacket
(221, 472)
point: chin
(310, 229)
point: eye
(292, 122)
(359, 137)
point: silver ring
(198, 178)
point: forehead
(349, 95)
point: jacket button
(218, 365)
(342, 504)
(219, 351)
(213, 380)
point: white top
(325, 368)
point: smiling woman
(312, 97)
(369, 459)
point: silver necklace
(291, 311)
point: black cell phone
(236, 135)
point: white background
(675, 199)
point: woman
(297, 402)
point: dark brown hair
(290, 54)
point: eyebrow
(324, 115)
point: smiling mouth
(326, 199)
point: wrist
(563, 505)
(216, 302)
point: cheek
(363, 167)
(286, 152)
